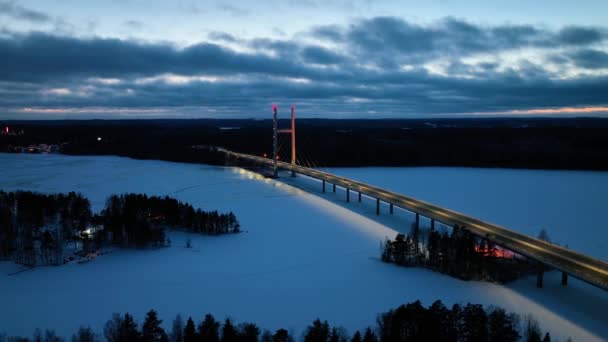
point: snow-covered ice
(569, 205)
(303, 254)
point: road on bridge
(583, 267)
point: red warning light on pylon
(6, 129)
(274, 107)
(265, 155)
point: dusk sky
(336, 59)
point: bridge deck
(588, 269)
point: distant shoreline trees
(408, 322)
(35, 227)
(138, 219)
(459, 254)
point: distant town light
(98, 138)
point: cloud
(383, 65)
(590, 59)
(233, 10)
(14, 10)
(319, 55)
(450, 36)
(574, 35)
(134, 24)
(223, 36)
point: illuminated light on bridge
(512, 243)
(496, 252)
(568, 262)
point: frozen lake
(304, 254)
(570, 205)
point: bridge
(569, 262)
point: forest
(408, 322)
(459, 254)
(549, 143)
(35, 228)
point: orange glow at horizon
(562, 110)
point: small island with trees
(459, 254)
(37, 229)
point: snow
(303, 254)
(569, 205)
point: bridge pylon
(291, 131)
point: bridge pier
(539, 276)
(564, 279)
(347, 194)
(417, 221)
(432, 224)
(377, 206)
(359, 196)
(391, 208)
(323, 182)
(334, 187)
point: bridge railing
(581, 266)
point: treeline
(35, 227)
(28, 219)
(136, 219)
(459, 254)
(552, 143)
(409, 322)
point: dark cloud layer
(590, 59)
(353, 70)
(14, 10)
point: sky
(67, 59)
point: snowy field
(303, 254)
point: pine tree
(475, 323)
(532, 331)
(177, 329)
(50, 336)
(369, 336)
(229, 332)
(415, 236)
(249, 333)
(337, 335)
(317, 332)
(151, 330)
(208, 330)
(84, 335)
(387, 251)
(282, 335)
(111, 329)
(356, 337)
(400, 249)
(190, 331)
(440, 325)
(502, 327)
(433, 248)
(128, 329)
